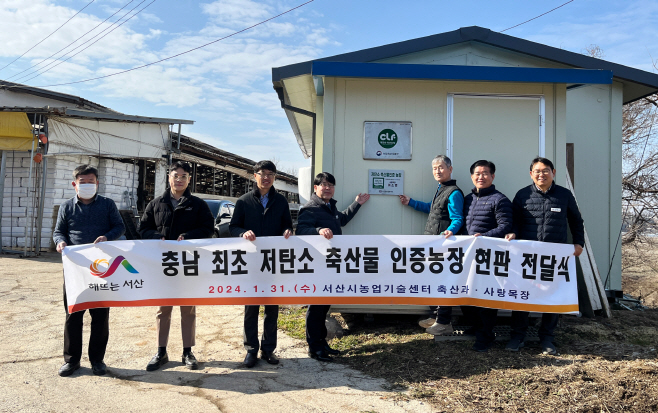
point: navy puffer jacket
(488, 212)
(544, 217)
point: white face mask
(86, 191)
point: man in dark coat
(487, 212)
(542, 212)
(176, 215)
(321, 217)
(445, 218)
(262, 212)
(84, 219)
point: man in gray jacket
(84, 219)
(321, 217)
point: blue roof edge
(466, 73)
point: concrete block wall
(116, 182)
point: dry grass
(606, 365)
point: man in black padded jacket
(176, 215)
(321, 217)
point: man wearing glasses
(542, 211)
(321, 217)
(176, 215)
(262, 212)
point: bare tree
(640, 167)
(639, 174)
(640, 183)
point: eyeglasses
(538, 172)
(177, 177)
(268, 176)
(326, 185)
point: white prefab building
(471, 94)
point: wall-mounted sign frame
(385, 182)
(387, 141)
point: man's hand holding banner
(349, 269)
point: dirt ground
(31, 332)
(605, 365)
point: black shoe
(250, 360)
(320, 356)
(482, 347)
(68, 369)
(190, 361)
(99, 368)
(330, 350)
(269, 357)
(157, 361)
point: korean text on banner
(348, 269)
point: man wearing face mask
(84, 219)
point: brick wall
(116, 182)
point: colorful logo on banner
(97, 272)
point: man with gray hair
(445, 218)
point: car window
(214, 206)
(231, 207)
(223, 210)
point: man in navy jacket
(542, 212)
(487, 213)
(321, 217)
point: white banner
(348, 269)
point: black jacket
(192, 218)
(249, 214)
(316, 215)
(439, 217)
(544, 217)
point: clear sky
(226, 87)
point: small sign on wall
(385, 182)
(387, 140)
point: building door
(507, 130)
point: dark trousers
(100, 332)
(268, 340)
(520, 320)
(443, 314)
(316, 329)
(484, 324)
(482, 319)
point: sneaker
(548, 348)
(440, 329)
(515, 344)
(482, 347)
(427, 323)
